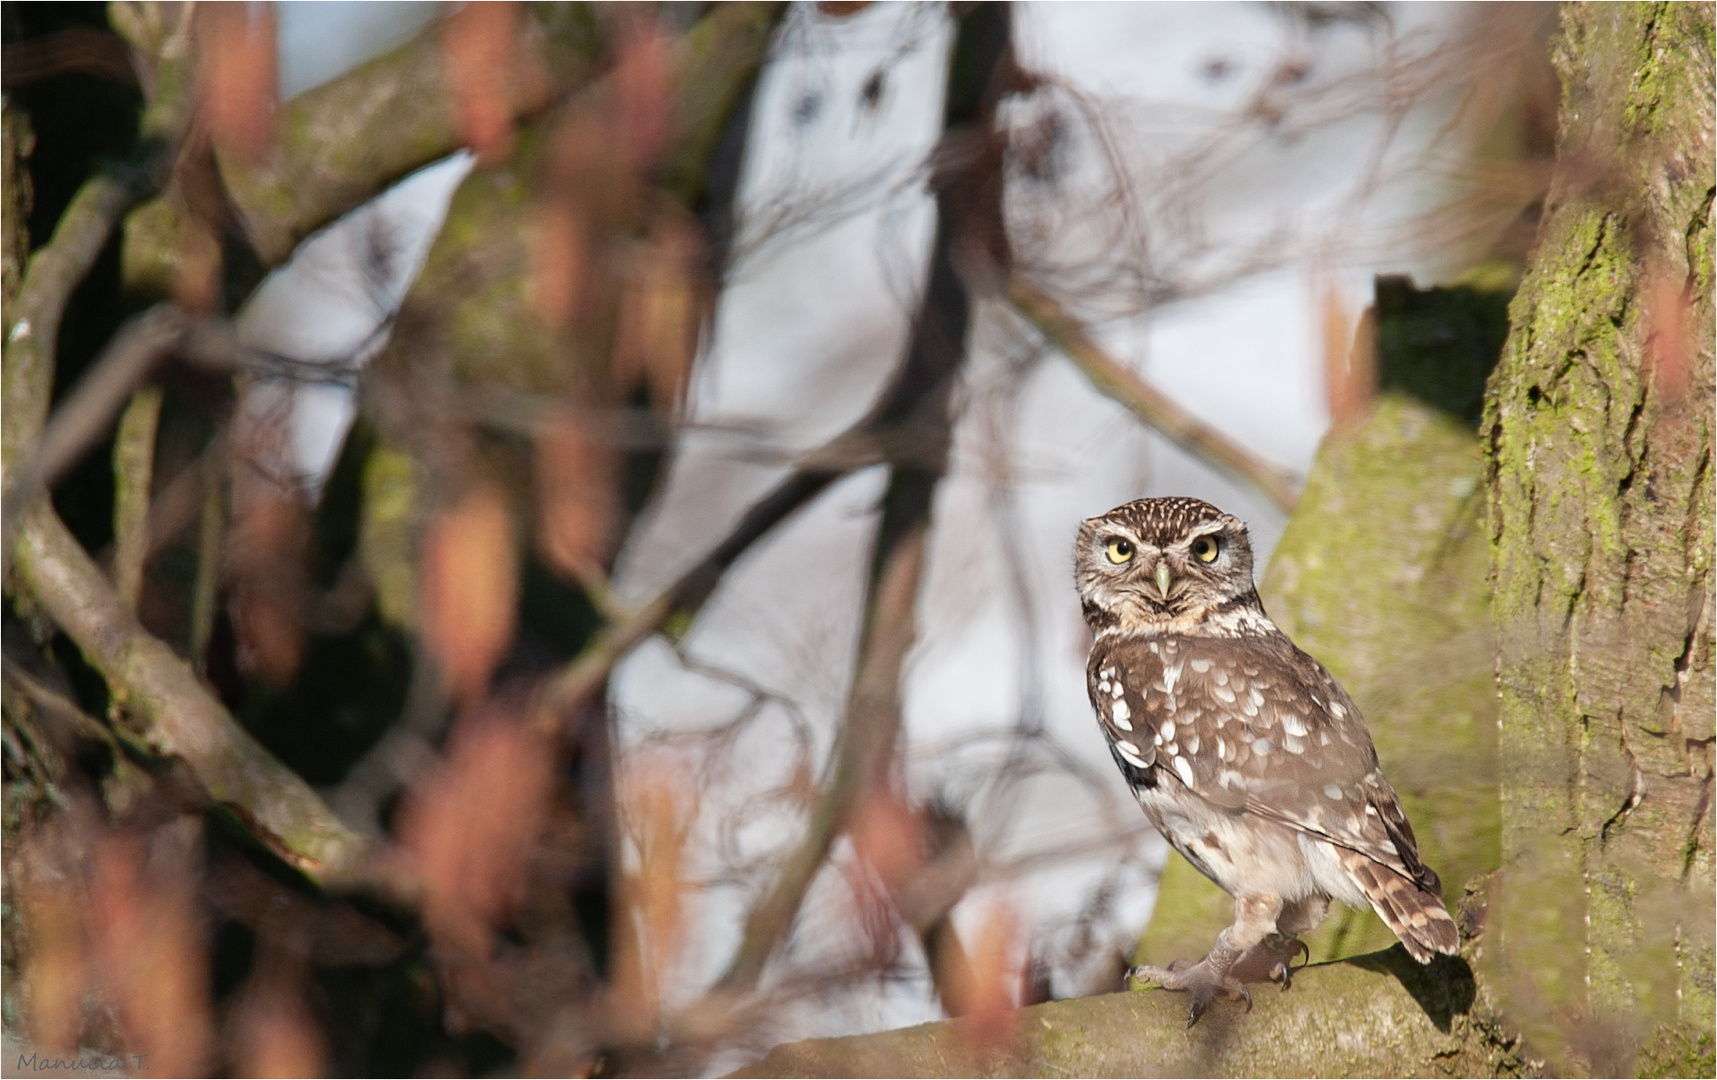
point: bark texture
(1598, 432)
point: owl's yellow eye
(1205, 548)
(1120, 550)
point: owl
(1242, 750)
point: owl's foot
(1203, 981)
(1272, 960)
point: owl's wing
(1253, 723)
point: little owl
(1243, 751)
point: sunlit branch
(1161, 413)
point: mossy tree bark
(1599, 432)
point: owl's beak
(1163, 579)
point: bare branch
(175, 714)
(92, 405)
(33, 324)
(133, 474)
(1115, 380)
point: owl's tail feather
(1414, 913)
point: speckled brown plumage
(1243, 750)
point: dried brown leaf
(237, 82)
(577, 500)
(471, 825)
(479, 44)
(1350, 358)
(469, 589)
(150, 956)
(659, 809)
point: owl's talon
(1272, 960)
(1203, 982)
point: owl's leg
(1215, 976)
(1273, 958)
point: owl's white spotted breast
(1246, 739)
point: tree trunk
(1599, 432)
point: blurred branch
(83, 49)
(866, 739)
(1395, 1018)
(134, 352)
(174, 713)
(92, 405)
(1161, 413)
(679, 602)
(33, 324)
(920, 404)
(133, 475)
(718, 63)
(346, 140)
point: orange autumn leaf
(987, 993)
(274, 1033)
(150, 956)
(469, 589)
(658, 813)
(642, 102)
(889, 836)
(471, 824)
(577, 504)
(1668, 342)
(563, 239)
(1350, 358)
(237, 81)
(478, 49)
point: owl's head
(1168, 566)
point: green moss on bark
(1598, 431)
(1380, 1014)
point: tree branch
(919, 408)
(346, 140)
(1161, 413)
(33, 324)
(133, 476)
(175, 714)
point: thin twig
(133, 476)
(211, 533)
(90, 408)
(1115, 380)
(866, 739)
(33, 324)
